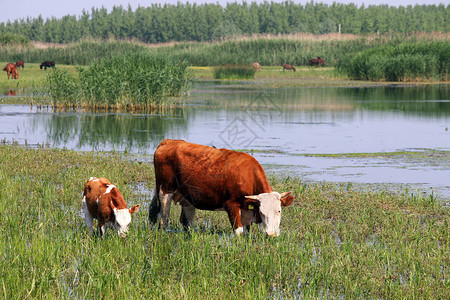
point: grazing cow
(317, 61)
(20, 63)
(288, 67)
(207, 178)
(104, 202)
(11, 69)
(256, 66)
(46, 64)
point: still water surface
(276, 125)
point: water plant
(132, 79)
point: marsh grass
(408, 61)
(133, 79)
(234, 72)
(335, 242)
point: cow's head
(269, 206)
(123, 218)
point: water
(276, 126)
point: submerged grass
(335, 242)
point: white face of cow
(270, 211)
(269, 207)
(123, 220)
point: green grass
(134, 79)
(335, 242)
(409, 61)
(234, 72)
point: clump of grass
(133, 79)
(336, 241)
(410, 61)
(234, 72)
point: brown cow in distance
(317, 61)
(104, 202)
(288, 67)
(206, 178)
(256, 66)
(11, 69)
(46, 64)
(20, 63)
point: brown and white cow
(104, 202)
(207, 178)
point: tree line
(159, 23)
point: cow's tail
(155, 207)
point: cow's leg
(164, 212)
(234, 214)
(101, 229)
(155, 208)
(187, 215)
(88, 219)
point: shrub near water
(403, 62)
(136, 79)
(234, 72)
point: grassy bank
(335, 242)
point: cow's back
(206, 176)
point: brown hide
(10, 69)
(288, 67)
(103, 212)
(209, 178)
(20, 63)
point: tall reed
(136, 79)
(402, 62)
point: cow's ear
(134, 209)
(286, 199)
(251, 202)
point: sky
(18, 9)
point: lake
(281, 127)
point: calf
(104, 202)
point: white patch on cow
(239, 231)
(164, 213)
(109, 189)
(270, 211)
(93, 179)
(123, 220)
(84, 199)
(88, 219)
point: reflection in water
(278, 124)
(106, 131)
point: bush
(402, 62)
(234, 72)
